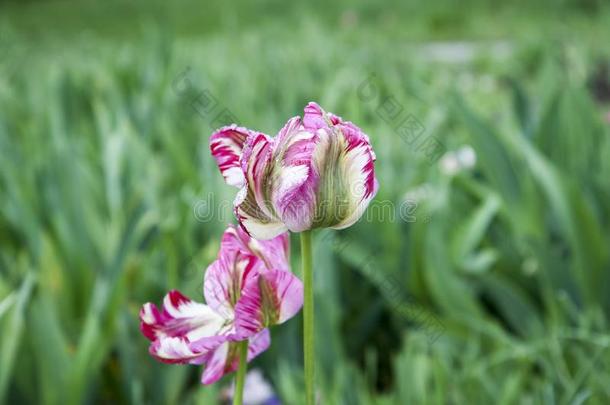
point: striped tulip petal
(180, 322)
(225, 278)
(294, 191)
(344, 153)
(253, 206)
(314, 117)
(271, 299)
(226, 145)
(174, 350)
(240, 260)
(180, 317)
(274, 253)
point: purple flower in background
(247, 289)
(318, 172)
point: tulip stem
(308, 316)
(242, 347)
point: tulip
(318, 172)
(247, 289)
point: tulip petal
(253, 206)
(295, 181)
(225, 278)
(274, 297)
(255, 222)
(346, 159)
(274, 253)
(226, 145)
(241, 258)
(225, 359)
(180, 317)
(359, 169)
(181, 321)
(178, 349)
(314, 117)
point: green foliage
(496, 291)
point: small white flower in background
(462, 159)
(257, 391)
(607, 117)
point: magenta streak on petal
(314, 119)
(226, 277)
(255, 161)
(356, 139)
(155, 323)
(288, 290)
(272, 298)
(296, 182)
(181, 318)
(148, 329)
(226, 146)
(248, 311)
(240, 219)
(181, 321)
(177, 299)
(240, 259)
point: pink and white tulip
(318, 172)
(247, 289)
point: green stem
(308, 312)
(241, 372)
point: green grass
(498, 292)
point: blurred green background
(494, 289)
